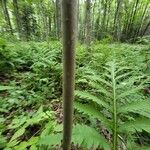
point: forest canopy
(121, 20)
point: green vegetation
(111, 104)
(74, 74)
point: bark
(142, 19)
(17, 16)
(69, 17)
(6, 15)
(117, 23)
(108, 15)
(58, 17)
(146, 28)
(104, 4)
(97, 22)
(88, 23)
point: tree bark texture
(69, 17)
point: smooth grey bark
(69, 17)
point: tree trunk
(6, 15)
(117, 22)
(142, 20)
(88, 23)
(103, 24)
(58, 17)
(17, 16)
(69, 17)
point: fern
(111, 92)
(86, 95)
(82, 135)
(93, 113)
(136, 125)
(88, 137)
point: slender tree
(117, 20)
(88, 23)
(17, 16)
(58, 17)
(6, 15)
(69, 10)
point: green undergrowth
(31, 96)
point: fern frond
(137, 125)
(122, 69)
(51, 140)
(101, 89)
(87, 95)
(99, 79)
(122, 76)
(88, 137)
(128, 92)
(140, 107)
(93, 113)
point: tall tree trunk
(17, 16)
(97, 22)
(103, 24)
(142, 20)
(6, 15)
(146, 28)
(58, 17)
(69, 17)
(132, 18)
(108, 15)
(88, 23)
(117, 23)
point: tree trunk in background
(69, 17)
(131, 27)
(108, 15)
(117, 21)
(142, 20)
(103, 24)
(17, 16)
(88, 23)
(58, 17)
(146, 28)
(93, 18)
(6, 15)
(97, 22)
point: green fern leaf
(3, 88)
(92, 112)
(98, 79)
(51, 140)
(86, 95)
(140, 107)
(137, 125)
(101, 89)
(88, 137)
(128, 92)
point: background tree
(6, 15)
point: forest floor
(31, 88)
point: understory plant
(113, 100)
